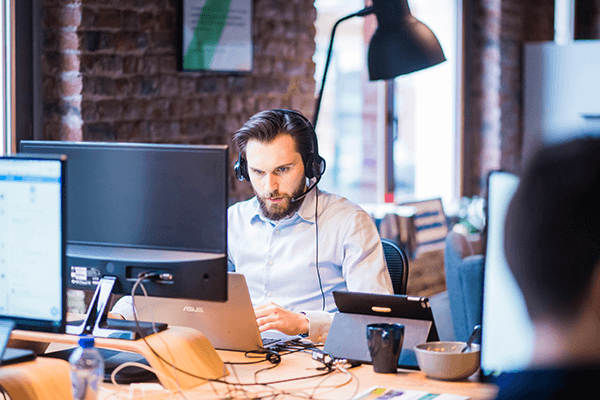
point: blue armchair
(464, 276)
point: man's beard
(285, 208)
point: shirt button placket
(269, 263)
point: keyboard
(267, 341)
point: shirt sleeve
(363, 266)
(319, 323)
(124, 307)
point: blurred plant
(471, 215)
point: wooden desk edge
(190, 348)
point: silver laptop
(228, 326)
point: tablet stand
(98, 324)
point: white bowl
(443, 360)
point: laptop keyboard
(267, 341)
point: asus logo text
(193, 309)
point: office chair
(397, 263)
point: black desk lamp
(400, 45)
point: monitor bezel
(124, 260)
(52, 326)
(489, 375)
(48, 147)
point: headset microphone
(303, 195)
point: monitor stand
(98, 324)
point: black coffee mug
(385, 345)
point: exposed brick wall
(61, 79)
(110, 74)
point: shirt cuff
(319, 323)
(124, 307)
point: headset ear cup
(309, 166)
(240, 169)
(245, 170)
(318, 166)
(314, 166)
(238, 172)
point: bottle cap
(86, 342)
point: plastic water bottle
(87, 370)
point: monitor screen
(32, 243)
(144, 195)
(507, 332)
(139, 207)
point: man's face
(277, 175)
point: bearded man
(296, 244)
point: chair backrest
(397, 264)
(464, 282)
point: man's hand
(272, 316)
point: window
(351, 120)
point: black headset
(314, 165)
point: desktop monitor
(137, 208)
(507, 331)
(33, 272)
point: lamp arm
(362, 13)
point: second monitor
(145, 208)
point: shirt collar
(306, 210)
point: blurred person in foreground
(552, 245)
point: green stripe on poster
(207, 33)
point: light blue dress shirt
(278, 257)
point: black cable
(270, 367)
(271, 356)
(4, 393)
(280, 381)
(317, 247)
(245, 363)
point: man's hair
(265, 126)
(552, 228)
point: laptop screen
(507, 332)
(32, 242)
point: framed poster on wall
(215, 35)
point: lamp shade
(401, 44)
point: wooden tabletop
(243, 379)
(297, 375)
